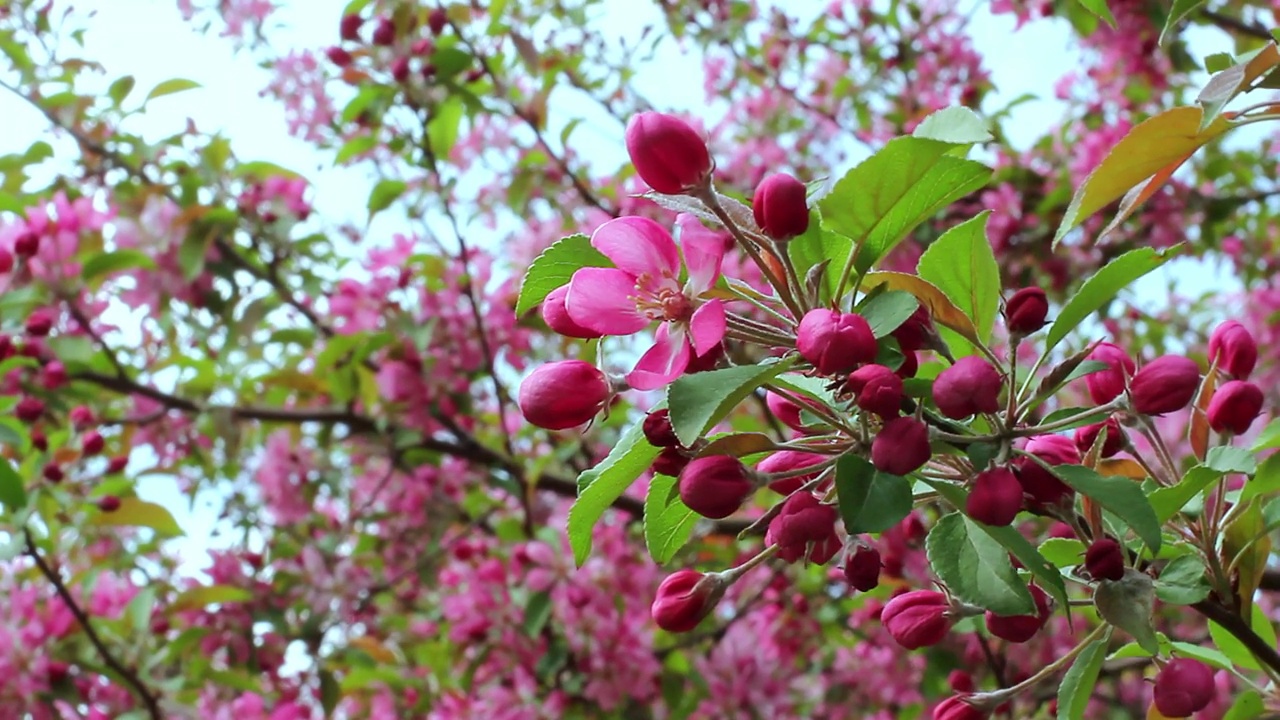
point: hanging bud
(1164, 385)
(1234, 349)
(670, 462)
(909, 367)
(835, 342)
(715, 486)
(996, 497)
(29, 409)
(1234, 407)
(339, 57)
(917, 619)
(781, 207)
(1044, 488)
(901, 447)
(1026, 310)
(878, 390)
(563, 394)
(557, 317)
(955, 708)
(684, 598)
(400, 69)
(970, 387)
(1021, 628)
(1104, 560)
(916, 332)
(385, 33)
(40, 322)
(1184, 687)
(1116, 440)
(668, 154)
(658, 431)
(108, 503)
(1106, 385)
(804, 528)
(349, 28)
(787, 461)
(92, 443)
(862, 566)
(786, 411)
(437, 21)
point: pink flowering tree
(828, 399)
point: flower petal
(638, 245)
(602, 300)
(703, 251)
(706, 327)
(663, 362)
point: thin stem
(998, 697)
(708, 197)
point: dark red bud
(917, 619)
(969, 387)
(901, 447)
(557, 316)
(914, 334)
(786, 461)
(29, 409)
(956, 708)
(1116, 440)
(6, 261)
(92, 443)
(26, 244)
(1026, 310)
(804, 528)
(349, 28)
(564, 394)
(878, 390)
(835, 342)
(39, 441)
(670, 462)
(39, 322)
(1183, 688)
(658, 431)
(862, 567)
(1164, 385)
(715, 486)
(53, 473)
(81, 417)
(1104, 560)
(1234, 407)
(400, 69)
(117, 464)
(385, 33)
(1234, 349)
(1106, 385)
(683, 599)
(108, 503)
(437, 21)
(668, 154)
(1044, 488)
(781, 207)
(1021, 628)
(996, 497)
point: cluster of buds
(395, 43)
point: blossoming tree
(740, 429)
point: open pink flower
(645, 286)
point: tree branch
(1234, 24)
(1240, 629)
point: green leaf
(1168, 501)
(1269, 438)
(667, 520)
(1077, 684)
(442, 129)
(1121, 496)
(600, 486)
(111, 262)
(699, 401)
(201, 596)
(882, 199)
(1127, 603)
(1237, 651)
(870, 500)
(13, 492)
(1231, 460)
(169, 87)
(355, 147)
(554, 268)
(1063, 552)
(120, 89)
(1208, 656)
(1248, 706)
(1103, 286)
(1180, 9)
(1153, 145)
(536, 613)
(886, 311)
(1182, 581)
(1224, 86)
(958, 125)
(139, 513)
(1265, 482)
(962, 265)
(976, 568)
(383, 194)
(1099, 8)
(819, 245)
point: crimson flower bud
(901, 447)
(400, 69)
(670, 462)
(349, 28)
(1116, 440)
(6, 346)
(339, 57)
(108, 503)
(955, 708)
(787, 412)
(1025, 311)
(969, 387)
(557, 317)
(804, 528)
(683, 599)
(914, 333)
(917, 619)
(1104, 560)
(1106, 385)
(835, 342)
(39, 322)
(385, 33)
(1234, 407)
(781, 207)
(786, 461)
(53, 375)
(658, 431)
(878, 389)
(29, 409)
(715, 486)
(92, 443)
(909, 367)
(26, 244)
(563, 394)
(437, 20)
(117, 464)
(996, 497)
(1021, 628)
(961, 682)
(39, 440)
(53, 473)
(669, 155)
(1235, 350)
(1164, 385)
(1183, 687)
(862, 567)
(6, 261)
(81, 417)
(1043, 487)
(57, 672)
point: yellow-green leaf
(139, 513)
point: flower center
(662, 300)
